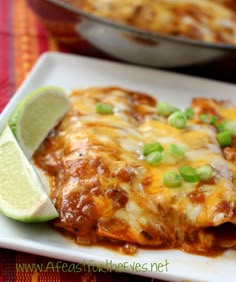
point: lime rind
(43, 213)
(36, 115)
(22, 195)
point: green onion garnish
(227, 125)
(151, 147)
(221, 126)
(104, 109)
(205, 172)
(189, 174)
(172, 179)
(165, 109)
(154, 158)
(224, 138)
(176, 151)
(208, 118)
(178, 120)
(189, 113)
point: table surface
(23, 39)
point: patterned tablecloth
(22, 40)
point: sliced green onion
(176, 151)
(227, 125)
(104, 109)
(221, 126)
(189, 174)
(154, 158)
(189, 113)
(178, 120)
(208, 118)
(151, 147)
(171, 179)
(205, 172)
(224, 138)
(165, 109)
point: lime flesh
(22, 195)
(36, 115)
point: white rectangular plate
(71, 72)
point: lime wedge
(36, 115)
(22, 195)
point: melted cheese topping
(206, 20)
(103, 187)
